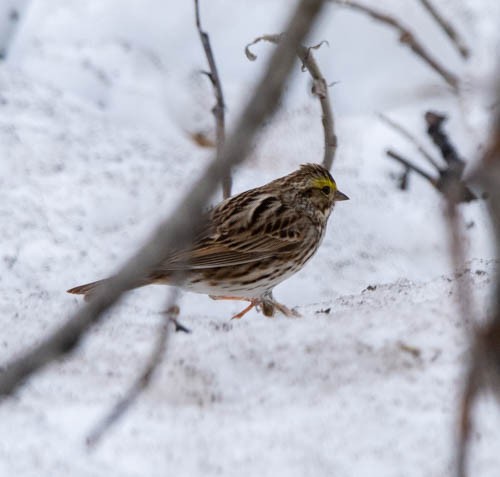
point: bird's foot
(269, 307)
(267, 304)
(288, 312)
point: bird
(251, 242)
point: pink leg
(253, 303)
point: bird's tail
(88, 289)
(91, 288)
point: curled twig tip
(251, 56)
(271, 38)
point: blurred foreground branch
(185, 222)
(320, 90)
(406, 37)
(218, 109)
(484, 362)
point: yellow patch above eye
(319, 183)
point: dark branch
(406, 37)
(182, 225)
(450, 179)
(409, 165)
(456, 40)
(218, 109)
(405, 133)
(435, 122)
(320, 90)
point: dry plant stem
(185, 222)
(320, 89)
(218, 109)
(456, 40)
(143, 381)
(409, 165)
(404, 132)
(406, 37)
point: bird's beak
(340, 196)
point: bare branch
(404, 132)
(218, 109)
(182, 225)
(406, 37)
(320, 90)
(143, 381)
(409, 165)
(456, 40)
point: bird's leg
(244, 312)
(253, 303)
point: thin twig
(320, 90)
(406, 37)
(219, 107)
(456, 40)
(409, 165)
(404, 132)
(143, 381)
(182, 225)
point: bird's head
(315, 186)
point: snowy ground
(95, 102)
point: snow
(97, 99)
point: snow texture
(97, 100)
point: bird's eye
(326, 190)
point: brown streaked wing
(265, 227)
